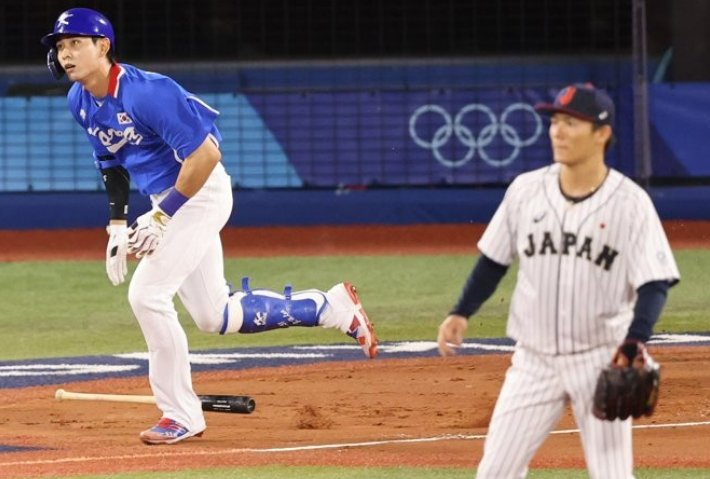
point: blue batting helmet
(82, 22)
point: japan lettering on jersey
(579, 263)
(147, 123)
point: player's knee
(145, 299)
(208, 321)
(135, 298)
(208, 316)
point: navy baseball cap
(582, 101)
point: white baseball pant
(530, 404)
(189, 261)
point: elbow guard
(117, 182)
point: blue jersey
(147, 123)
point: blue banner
(395, 138)
(680, 126)
(329, 139)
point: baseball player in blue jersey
(146, 128)
(594, 268)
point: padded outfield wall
(356, 142)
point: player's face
(574, 140)
(80, 56)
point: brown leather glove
(629, 385)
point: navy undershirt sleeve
(480, 285)
(651, 297)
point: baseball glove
(629, 385)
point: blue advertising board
(680, 128)
(414, 138)
(391, 138)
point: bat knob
(59, 394)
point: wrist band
(172, 202)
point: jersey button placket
(559, 310)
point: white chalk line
(384, 442)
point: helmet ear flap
(53, 64)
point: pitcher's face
(575, 140)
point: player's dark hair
(609, 142)
(111, 55)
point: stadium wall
(310, 208)
(51, 200)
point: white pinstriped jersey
(579, 263)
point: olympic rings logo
(475, 143)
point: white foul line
(445, 437)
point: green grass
(291, 472)
(58, 309)
(70, 309)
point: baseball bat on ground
(216, 403)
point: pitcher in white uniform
(595, 267)
(145, 127)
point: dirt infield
(333, 404)
(391, 402)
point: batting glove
(146, 232)
(116, 250)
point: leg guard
(263, 310)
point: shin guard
(264, 310)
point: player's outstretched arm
(451, 333)
(629, 385)
(117, 182)
(650, 300)
(480, 285)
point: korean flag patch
(123, 118)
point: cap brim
(548, 109)
(49, 40)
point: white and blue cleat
(167, 431)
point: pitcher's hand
(451, 333)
